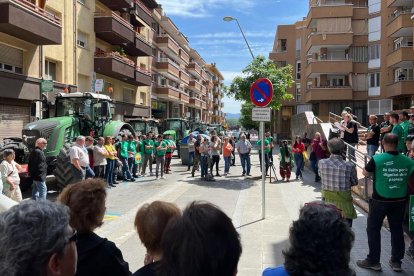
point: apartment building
(218, 116)
(33, 47)
(329, 53)
(114, 45)
(182, 84)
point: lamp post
(231, 18)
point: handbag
(312, 156)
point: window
(128, 96)
(374, 79)
(336, 81)
(50, 70)
(82, 40)
(298, 69)
(359, 54)
(11, 59)
(378, 107)
(374, 28)
(374, 6)
(283, 44)
(298, 93)
(374, 51)
(402, 74)
(83, 2)
(143, 98)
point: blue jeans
(315, 167)
(204, 166)
(89, 172)
(109, 171)
(299, 164)
(227, 160)
(132, 166)
(39, 190)
(126, 174)
(372, 149)
(190, 158)
(245, 162)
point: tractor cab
(144, 125)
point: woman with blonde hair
(150, 221)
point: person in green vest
(168, 155)
(405, 124)
(160, 151)
(132, 151)
(286, 161)
(123, 156)
(148, 145)
(398, 130)
(267, 150)
(392, 174)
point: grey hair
(30, 233)
(336, 146)
(242, 136)
(80, 138)
(40, 141)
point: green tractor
(178, 129)
(144, 125)
(75, 114)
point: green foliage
(260, 67)
(232, 122)
(246, 116)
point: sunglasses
(72, 238)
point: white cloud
(202, 8)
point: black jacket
(98, 256)
(37, 165)
(147, 270)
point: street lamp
(231, 18)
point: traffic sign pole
(262, 136)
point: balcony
(194, 69)
(142, 77)
(329, 11)
(196, 103)
(333, 93)
(113, 29)
(185, 77)
(184, 56)
(168, 66)
(402, 57)
(141, 46)
(398, 3)
(115, 66)
(401, 88)
(118, 4)
(400, 25)
(208, 84)
(327, 39)
(278, 55)
(130, 109)
(143, 12)
(332, 66)
(203, 89)
(27, 21)
(185, 98)
(168, 45)
(168, 92)
(204, 105)
(195, 85)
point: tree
(246, 116)
(260, 67)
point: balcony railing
(402, 78)
(143, 38)
(169, 61)
(115, 55)
(143, 7)
(143, 70)
(399, 46)
(38, 10)
(398, 13)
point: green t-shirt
(171, 144)
(259, 144)
(123, 148)
(140, 147)
(148, 143)
(270, 140)
(132, 146)
(164, 144)
(399, 131)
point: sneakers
(248, 174)
(396, 266)
(368, 265)
(162, 177)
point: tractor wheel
(63, 172)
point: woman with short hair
(10, 175)
(150, 222)
(96, 255)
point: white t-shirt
(77, 152)
(191, 144)
(9, 170)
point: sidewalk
(264, 240)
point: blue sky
(221, 42)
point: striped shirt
(337, 174)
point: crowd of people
(57, 238)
